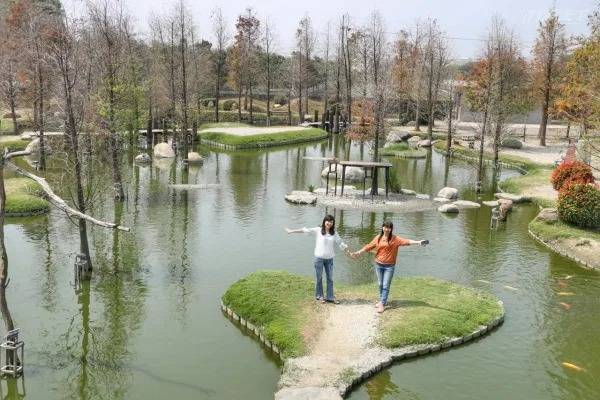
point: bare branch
(53, 198)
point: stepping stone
(143, 158)
(408, 192)
(423, 196)
(515, 198)
(466, 204)
(548, 214)
(448, 208)
(442, 200)
(301, 197)
(491, 203)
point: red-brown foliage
(571, 172)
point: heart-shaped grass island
(328, 348)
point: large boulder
(448, 208)
(466, 204)
(408, 192)
(424, 143)
(548, 215)
(515, 198)
(506, 204)
(194, 158)
(301, 197)
(448, 193)
(143, 158)
(163, 150)
(414, 140)
(353, 174)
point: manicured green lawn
(422, 310)
(13, 145)
(403, 150)
(209, 125)
(559, 230)
(264, 140)
(23, 197)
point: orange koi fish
(573, 367)
(566, 306)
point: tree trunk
(251, 107)
(41, 120)
(218, 88)
(184, 100)
(289, 107)
(449, 137)
(544, 123)
(418, 116)
(568, 128)
(12, 99)
(300, 111)
(240, 104)
(113, 145)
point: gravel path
(344, 344)
(247, 131)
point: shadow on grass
(415, 303)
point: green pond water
(148, 325)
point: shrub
(9, 115)
(571, 171)
(229, 105)
(579, 204)
(511, 143)
(281, 100)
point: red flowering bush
(571, 171)
(579, 204)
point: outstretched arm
(299, 230)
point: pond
(149, 325)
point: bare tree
(549, 54)
(107, 21)
(268, 38)
(220, 57)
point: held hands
(424, 242)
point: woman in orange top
(386, 246)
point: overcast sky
(465, 22)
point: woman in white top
(326, 237)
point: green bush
(13, 145)
(281, 100)
(229, 105)
(511, 143)
(579, 204)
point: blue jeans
(385, 274)
(327, 264)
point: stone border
(561, 251)
(259, 145)
(403, 353)
(28, 214)
(253, 329)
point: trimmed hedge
(511, 143)
(579, 204)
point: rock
(548, 215)
(505, 204)
(194, 158)
(143, 158)
(423, 196)
(34, 146)
(308, 393)
(424, 143)
(442, 200)
(491, 203)
(353, 174)
(448, 208)
(163, 163)
(408, 192)
(414, 140)
(515, 198)
(448, 193)
(301, 197)
(466, 204)
(163, 150)
(397, 136)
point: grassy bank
(422, 310)
(23, 197)
(403, 150)
(209, 125)
(13, 145)
(263, 140)
(534, 175)
(578, 244)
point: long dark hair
(331, 218)
(387, 224)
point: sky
(465, 22)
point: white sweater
(324, 244)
